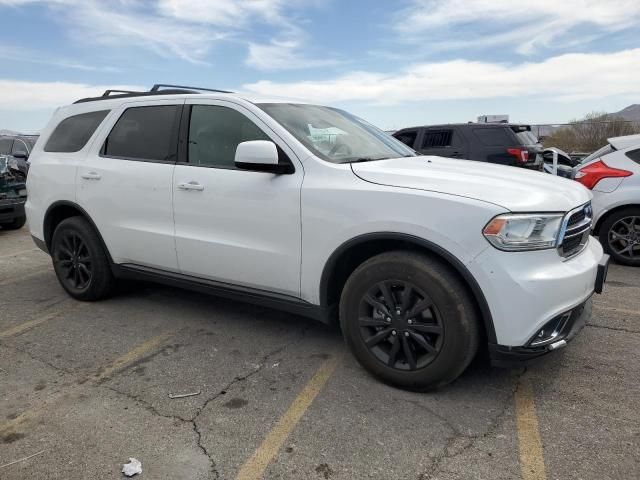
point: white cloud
(283, 55)
(525, 24)
(186, 29)
(228, 13)
(564, 77)
(33, 96)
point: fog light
(550, 332)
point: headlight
(22, 192)
(530, 231)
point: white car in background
(613, 175)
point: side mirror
(20, 154)
(260, 156)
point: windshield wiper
(366, 159)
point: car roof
(621, 143)
(179, 92)
(469, 124)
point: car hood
(515, 189)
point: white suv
(312, 210)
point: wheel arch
(352, 253)
(61, 210)
(608, 213)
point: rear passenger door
(444, 142)
(125, 183)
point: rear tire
(79, 260)
(409, 320)
(16, 224)
(618, 233)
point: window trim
(183, 141)
(173, 141)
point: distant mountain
(631, 113)
(7, 132)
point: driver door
(235, 226)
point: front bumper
(513, 357)
(573, 320)
(525, 290)
(11, 209)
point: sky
(395, 63)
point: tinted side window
(5, 146)
(634, 155)
(74, 132)
(145, 133)
(215, 132)
(437, 138)
(493, 136)
(407, 137)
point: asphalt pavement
(83, 387)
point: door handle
(192, 185)
(91, 176)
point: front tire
(79, 260)
(16, 224)
(409, 320)
(620, 236)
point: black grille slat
(577, 226)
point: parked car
(613, 175)
(558, 162)
(312, 210)
(13, 194)
(18, 147)
(501, 143)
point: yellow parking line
(23, 327)
(131, 356)
(617, 310)
(529, 441)
(258, 462)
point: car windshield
(598, 153)
(335, 135)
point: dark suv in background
(503, 143)
(14, 152)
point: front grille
(575, 231)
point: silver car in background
(612, 173)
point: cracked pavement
(250, 363)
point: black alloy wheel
(624, 237)
(72, 258)
(80, 260)
(400, 325)
(619, 235)
(409, 319)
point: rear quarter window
(73, 133)
(634, 155)
(493, 136)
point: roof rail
(158, 86)
(109, 92)
(157, 89)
